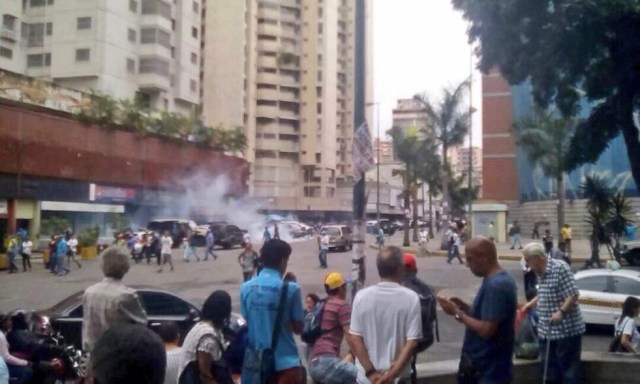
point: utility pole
(470, 180)
(377, 105)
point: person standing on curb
(27, 246)
(565, 235)
(325, 364)
(386, 324)
(488, 341)
(560, 325)
(323, 248)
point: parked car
(160, 305)
(631, 252)
(178, 228)
(294, 228)
(227, 235)
(340, 237)
(603, 291)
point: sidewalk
(581, 250)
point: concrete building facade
(459, 161)
(290, 67)
(125, 48)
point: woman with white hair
(110, 302)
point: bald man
(488, 340)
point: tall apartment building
(383, 148)
(123, 48)
(284, 70)
(409, 113)
(460, 164)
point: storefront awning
(81, 207)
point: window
(133, 6)
(593, 283)
(154, 65)
(39, 60)
(132, 35)
(194, 58)
(35, 35)
(193, 85)
(626, 286)
(173, 24)
(155, 36)
(9, 22)
(83, 23)
(156, 7)
(131, 66)
(196, 7)
(39, 3)
(83, 54)
(194, 32)
(161, 304)
(49, 29)
(6, 52)
(77, 312)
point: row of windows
(44, 59)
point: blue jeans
(454, 251)
(564, 360)
(60, 265)
(516, 239)
(22, 375)
(322, 256)
(332, 370)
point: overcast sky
(419, 45)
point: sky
(419, 46)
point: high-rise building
(385, 148)
(284, 70)
(124, 48)
(409, 114)
(460, 164)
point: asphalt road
(195, 280)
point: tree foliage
(567, 50)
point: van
(178, 229)
(340, 237)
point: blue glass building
(534, 185)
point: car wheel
(633, 256)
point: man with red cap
(427, 308)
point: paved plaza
(196, 280)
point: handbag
(219, 369)
(616, 343)
(260, 364)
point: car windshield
(66, 303)
(332, 231)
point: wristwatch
(458, 316)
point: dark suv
(227, 235)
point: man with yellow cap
(325, 364)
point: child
(170, 335)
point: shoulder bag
(616, 343)
(219, 368)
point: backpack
(312, 326)
(428, 313)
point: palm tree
(448, 124)
(598, 195)
(429, 170)
(546, 139)
(407, 147)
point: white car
(603, 291)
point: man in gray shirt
(110, 302)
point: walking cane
(546, 355)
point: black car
(161, 306)
(227, 235)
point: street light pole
(470, 181)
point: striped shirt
(336, 315)
(554, 287)
(174, 360)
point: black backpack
(430, 332)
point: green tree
(54, 226)
(134, 115)
(598, 195)
(567, 50)
(459, 194)
(546, 139)
(407, 147)
(98, 108)
(447, 124)
(170, 124)
(118, 222)
(429, 170)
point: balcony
(267, 62)
(268, 29)
(288, 115)
(267, 94)
(268, 46)
(267, 78)
(268, 13)
(8, 34)
(268, 111)
(290, 3)
(289, 97)
(154, 49)
(153, 82)
(287, 17)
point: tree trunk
(407, 203)
(414, 194)
(431, 218)
(630, 134)
(561, 203)
(445, 219)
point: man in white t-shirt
(166, 243)
(385, 323)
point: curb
(440, 253)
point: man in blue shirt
(259, 299)
(488, 341)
